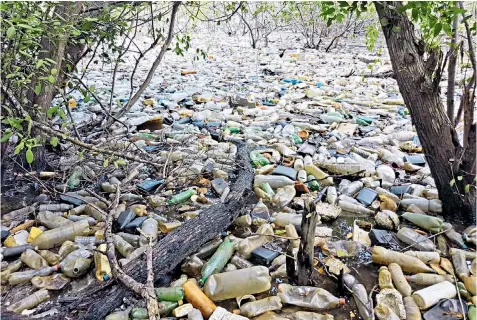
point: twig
(97, 196)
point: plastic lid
(342, 301)
(106, 277)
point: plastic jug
(407, 263)
(237, 283)
(57, 236)
(308, 297)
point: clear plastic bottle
(123, 247)
(425, 205)
(354, 208)
(30, 302)
(360, 295)
(85, 241)
(283, 218)
(237, 283)
(308, 297)
(460, 264)
(284, 196)
(33, 259)
(150, 228)
(255, 308)
(274, 181)
(415, 240)
(247, 245)
(331, 195)
(51, 238)
(51, 220)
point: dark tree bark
(419, 87)
(307, 245)
(451, 71)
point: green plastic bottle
(169, 294)
(296, 139)
(258, 160)
(312, 183)
(364, 121)
(234, 130)
(165, 307)
(472, 313)
(75, 178)
(218, 261)
(181, 197)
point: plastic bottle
(165, 307)
(103, 269)
(472, 312)
(54, 237)
(85, 241)
(260, 210)
(246, 246)
(387, 174)
(123, 247)
(284, 196)
(74, 268)
(353, 188)
(469, 255)
(132, 239)
(274, 181)
(15, 251)
(399, 280)
(255, 308)
(385, 278)
(298, 165)
(412, 310)
(33, 259)
(425, 205)
(198, 299)
(407, 263)
(237, 283)
(384, 312)
(30, 302)
(182, 310)
(301, 315)
(194, 314)
(454, 236)
(426, 257)
(258, 160)
(302, 176)
(218, 261)
(150, 228)
(360, 295)
(51, 220)
(291, 233)
(460, 264)
(169, 294)
(429, 296)
(354, 208)
(75, 178)
(470, 284)
(181, 197)
(312, 183)
(6, 272)
(331, 195)
(308, 297)
(283, 218)
(415, 240)
(323, 177)
(55, 207)
(429, 223)
(426, 279)
(240, 262)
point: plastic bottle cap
(342, 301)
(106, 277)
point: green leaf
(51, 79)
(6, 136)
(86, 99)
(62, 114)
(396, 29)
(54, 72)
(467, 188)
(52, 111)
(437, 29)
(19, 147)
(29, 155)
(459, 178)
(414, 13)
(452, 182)
(91, 88)
(11, 32)
(106, 163)
(54, 141)
(38, 89)
(121, 162)
(384, 22)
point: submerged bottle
(237, 283)
(30, 302)
(218, 261)
(198, 299)
(51, 238)
(308, 297)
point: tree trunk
(446, 157)
(451, 71)
(307, 245)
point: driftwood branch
(306, 248)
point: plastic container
(255, 308)
(331, 195)
(75, 268)
(30, 302)
(385, 278)
(460, 264)
(123, 247)
(323, 177)
(415, 240)
(237, 283)
(218, 261)
(308, 297)
(399, 280)
(412, 310)
(283, 218)
(425, 205)
(169, 294)
(429, 296)
(274, 181)
(55, 237)
(103, 269)
(25, 276)
(150, 228)
(198, 299)
(407, 263)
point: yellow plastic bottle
(57, 236)
(103, 269)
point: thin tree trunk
(420, 92)
(306, 250)
(451, 71)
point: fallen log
(102, 298)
